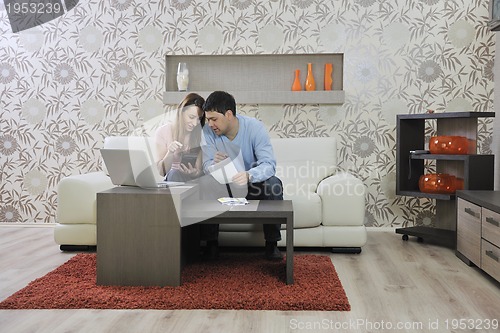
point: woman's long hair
(179, 130)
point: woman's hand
(189, 169)
(174, 146)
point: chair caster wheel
(420, 240)
(404, 237)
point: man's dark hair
(220, 101)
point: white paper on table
(233, 201)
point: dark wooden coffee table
(140, 232)
(256, 212)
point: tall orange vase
(328, 77)
(310, 84)
(296, 86)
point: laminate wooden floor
(393, 286)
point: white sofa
(328, 205)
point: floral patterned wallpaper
(98, 70)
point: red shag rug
(235, 281)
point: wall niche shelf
(476, 170)
(256, 79)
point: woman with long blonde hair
(178, 143)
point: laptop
(133, 168)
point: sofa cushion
(343, 197)
(319, 149)
(301, 165)
(75, 234)
(306, 210)
(308, 160)
(76, 196)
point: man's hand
(241, 178)
(219, 156)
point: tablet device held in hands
(189, 158)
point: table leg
(289, 250)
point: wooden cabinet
(256, 79)
(478, 230)
(476, 170)
(469, 230)
(490, 255)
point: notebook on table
(133, 168)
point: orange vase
(310, 84)
(328, 77)
(446, 144)
(296, 82)
(440, 183)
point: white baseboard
(381, 229)
(27, 224)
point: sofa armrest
(76, 197)
(343, 200)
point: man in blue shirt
(246, 142)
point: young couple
(227, 134)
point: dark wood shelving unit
(439, 236)
(418, 194)
(477, 171)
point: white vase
(182, 77)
